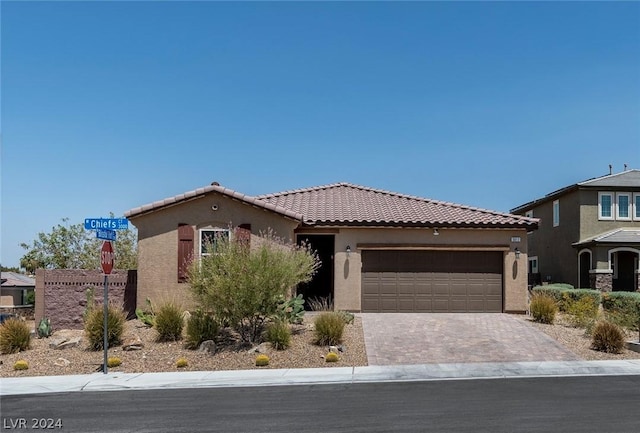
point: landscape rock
(61, 343)
(208, 346)
(132, 343)
(261, 348)
(62, 362)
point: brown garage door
(431, 281)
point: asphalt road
(572, 404)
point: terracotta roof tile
(348, 204)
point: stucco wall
(590, 225)
(347, 283)
(158, 240)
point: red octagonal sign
(106, 257)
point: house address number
(515, 239)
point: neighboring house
(589, 234)
(380, 251)
(14, 289)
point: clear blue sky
(109, 106)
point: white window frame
(556, 213)
(629, 206)
(613, 205)
(635, 206)
(202, 231)
(534, 269)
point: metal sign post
(106, 261)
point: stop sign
(106, 257)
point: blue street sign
(106, 223)
(106, 234)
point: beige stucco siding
(347, 282)
(158, 240)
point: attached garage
(432, 281)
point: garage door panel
(432, 281)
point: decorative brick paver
(427, 338)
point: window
(605, 205)
(623, 208)
(209, 238)
(636, 206)
(556, 213)
(533, 265)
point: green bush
(622, 308)
(94, 326)
(15, 336)
(543, 308)
(242, 286)
(583, 311)
(607, 337)
(565, 294)
(169, 322)
(278, 333)
(290, 310)
(201, 327)
(550, 291)
(329, 328)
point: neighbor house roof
(14, 279)
(625, 179)
(200, 192)
(625, 235)
(348, 204)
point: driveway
(427, 338)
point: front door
(321, 286)
(624, 276)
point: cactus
(262, 360)
(331, 357)
(182, 363)
(113, 361)
(44, 328)
(21, 365)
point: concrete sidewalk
(243, 378)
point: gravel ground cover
(303, 353)
(162, 357)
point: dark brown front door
(432, 281)
(625, 275)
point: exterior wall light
(517, 251)
(436, 232)
(348, 250)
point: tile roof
(13, 279)
(348, 204)
(626, 235)
(214, 187)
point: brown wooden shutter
(185, 250)
(242, 234)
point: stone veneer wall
(602, 282)
(61, 294)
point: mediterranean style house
(380, 251)
(589, 233)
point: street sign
(106, 234)
(106, 257)
(106, 223)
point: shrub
(622, 308)
(328, 328)
(543, 308)
(331, 357)
(607, 337)
(15, 336)
(94, 326)
(201, 326)
(346, 316)
(575, 295)
(44, 328)
(21, 364)
(242, 286)
(113, 361)
(182, 363)
(290, 310)
(262, 360)
(321, 304)
(169, 322)
(278, 333)
(583, 311)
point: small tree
(242, 285)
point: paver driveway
(426, 338)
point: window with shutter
(185, 250)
